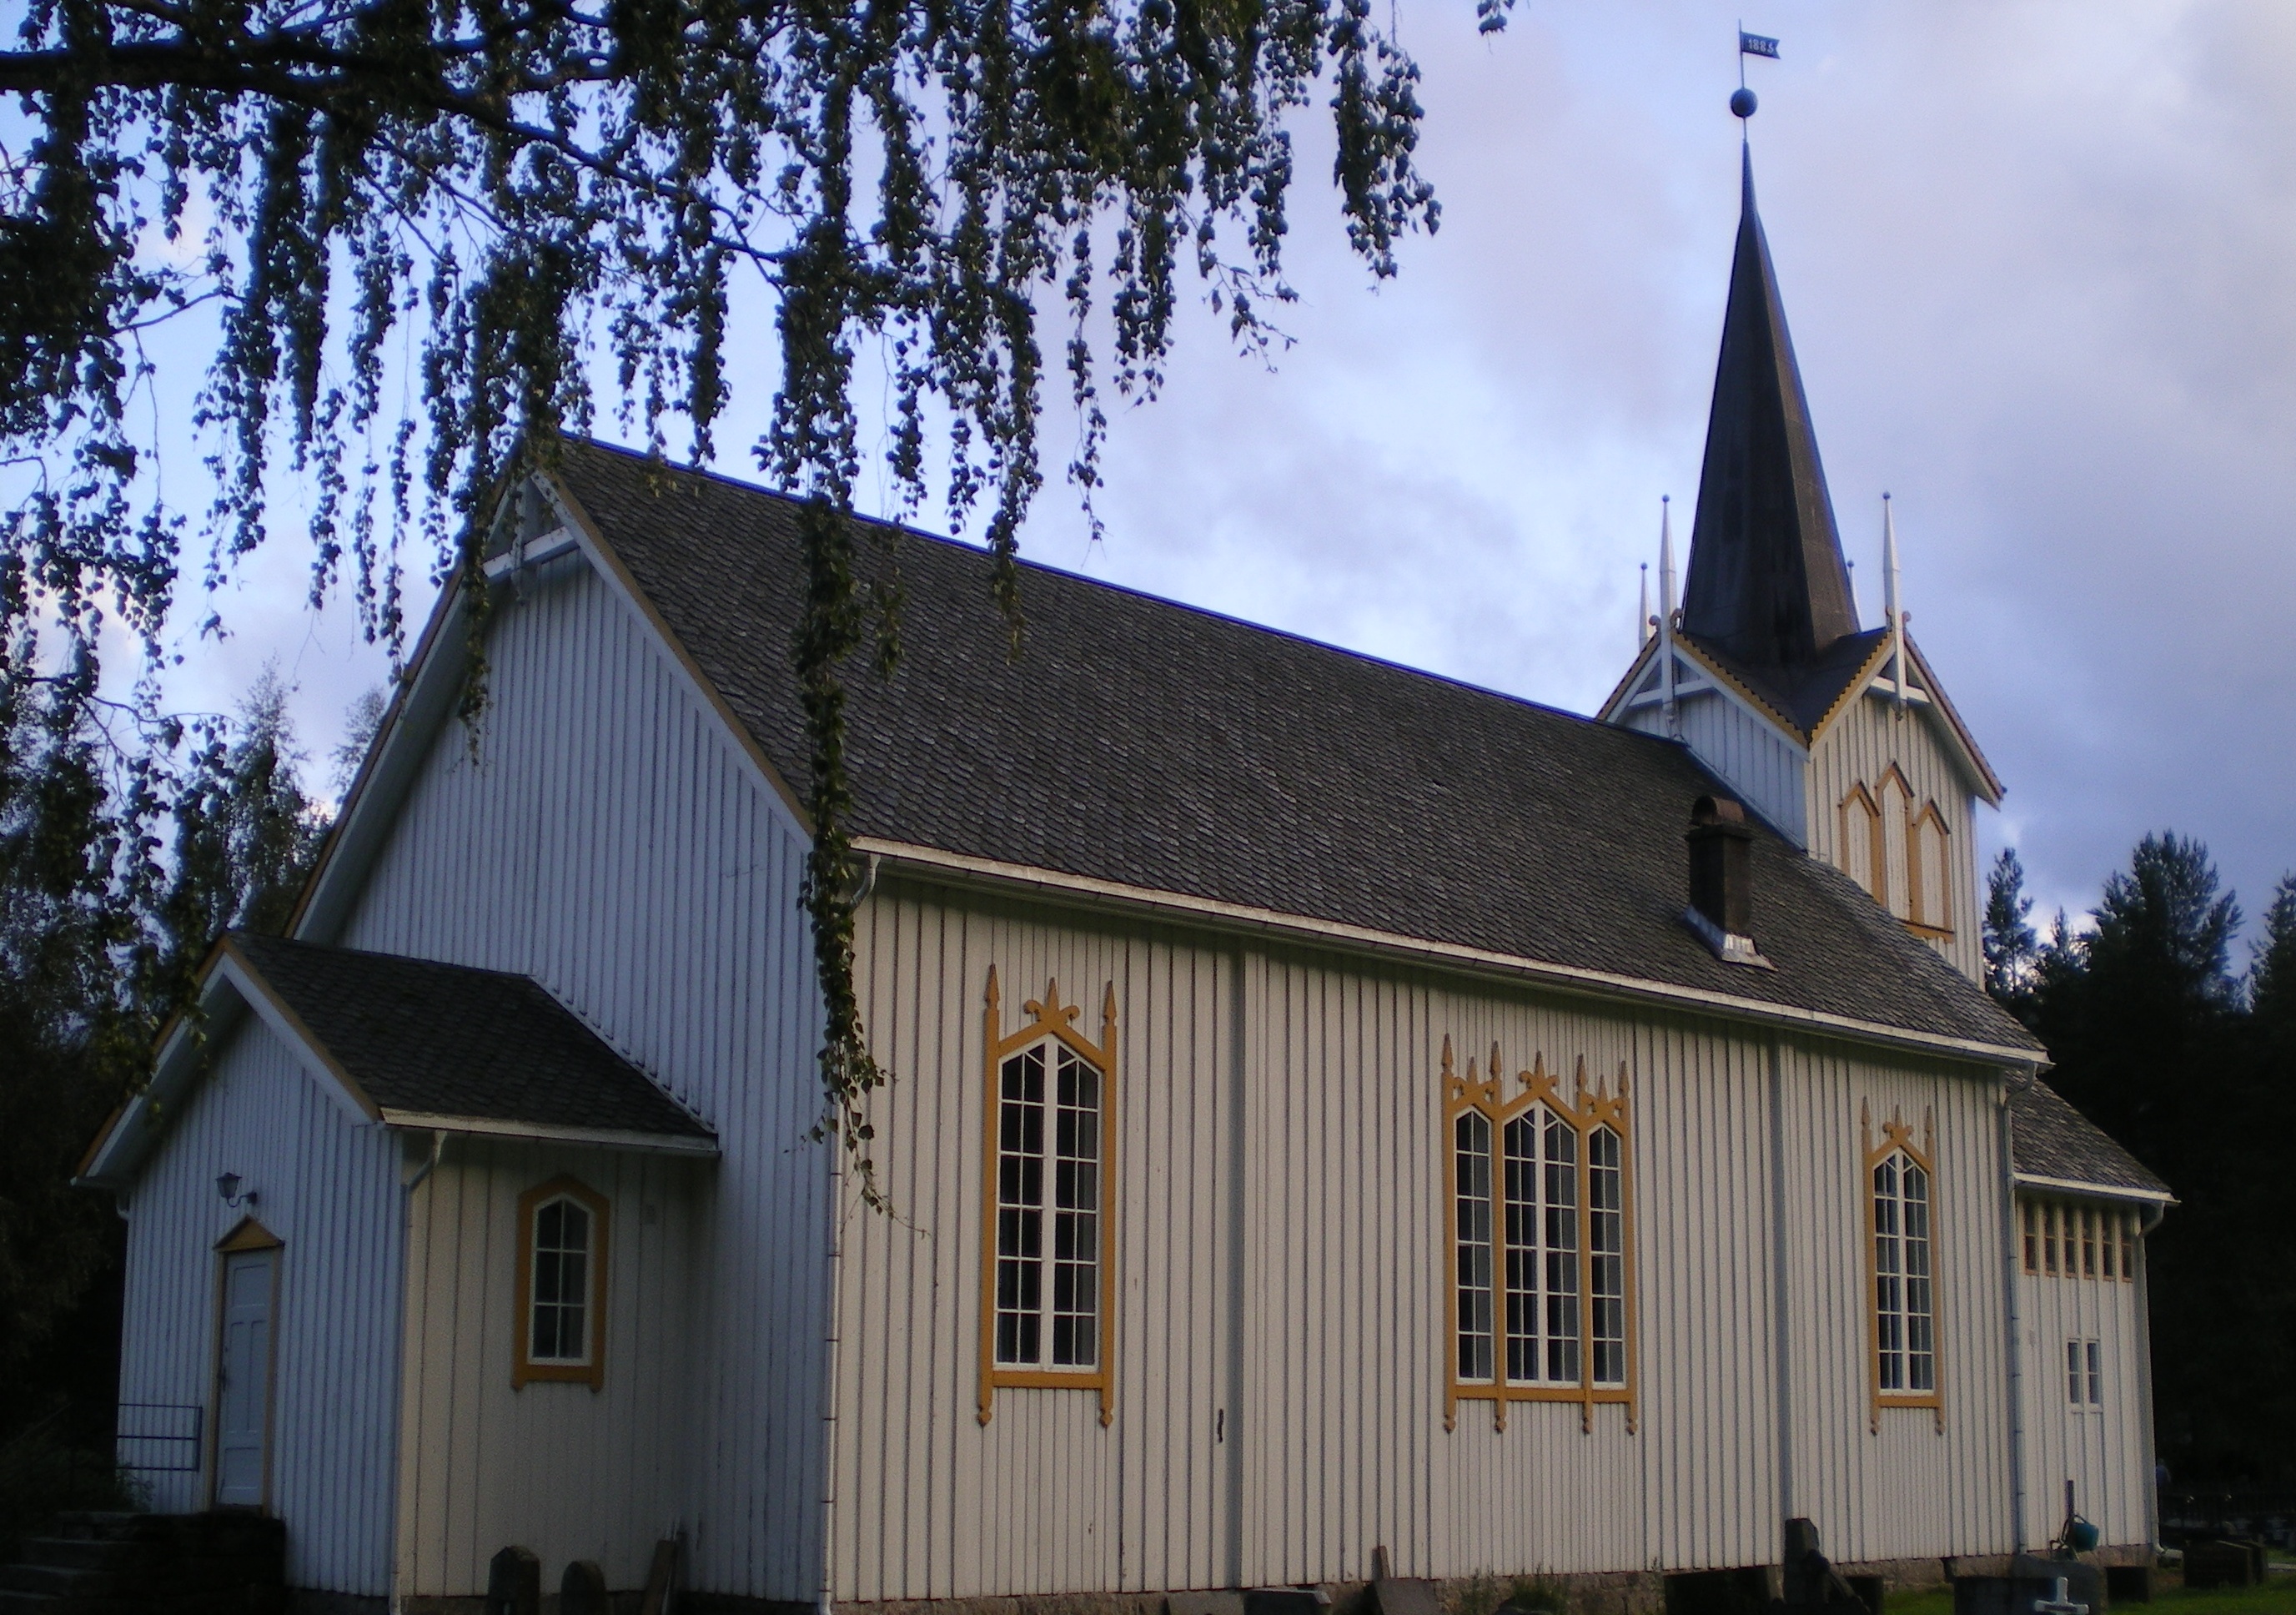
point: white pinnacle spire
(1893, 602)
(1665, 610)
(1642, 613)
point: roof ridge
(1206, 613)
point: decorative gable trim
(249, 1234)
(1859, 681)
(1928, 694)
(432, 685)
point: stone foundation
(1603, 1593)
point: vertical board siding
(1762, 765)
(569, 1471)
(605, 835)
(328, 1187)
(1917, 1488)
(1859, 747)
(1280, 1162)
(2100, 1450)
(931, 1502)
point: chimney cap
(1719, 813)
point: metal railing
(159, 1438)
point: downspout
(2145, 1376)
(397, 1595)
(830, 1254)
(2010, 1280)
(1782, 1322)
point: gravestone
(661, 1576)
(2219, 1564)
(1745, 1591)
(1203, 1603)
(1392, 1595)
(582, 1591)
(2033, 1587)
(514, 1583)
(1871, 1591)
(1809, 1581)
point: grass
(2275, 1597)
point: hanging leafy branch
(423, 227)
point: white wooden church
(1334, 1108)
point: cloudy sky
(2040, 259)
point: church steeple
(1768, 587)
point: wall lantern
(227, 1185)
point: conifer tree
(123, 854)
(2011, 948)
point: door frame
(247, 1235)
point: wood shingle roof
(1149, 744)
(419, 1039)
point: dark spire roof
(1767, 584)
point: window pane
(1904, 1329)
(2096, 1375)
(559, 1276)
(1076, 1233)
(2073, 1372)
(1021, 1208)
(2128, 1248)
(1470, 1168)
(1606, 1246)
(2088, 1242)
(2032, 1214)
(1560, 1184)
(2049, 1237)
(1522, 1251)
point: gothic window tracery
(1539, 1207)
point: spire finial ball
(1743, 101)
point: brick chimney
(1722, 880)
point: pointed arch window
(1901, 1268)
(1864, 858)
(1539, 1204)
(1929, 852)
(1894, 800)
(1048, 1241)
(561, 1283)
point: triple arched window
(1899, 847)
(1540, 1208)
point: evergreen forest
(2186, 1053)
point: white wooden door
(243, 1387)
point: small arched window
(561, 1283)
(1540, 1243)
(1901, 1273)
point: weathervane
(1743, 101)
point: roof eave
(2094, 1190)
(965, 869)
(700, 1145)
(228, 985)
